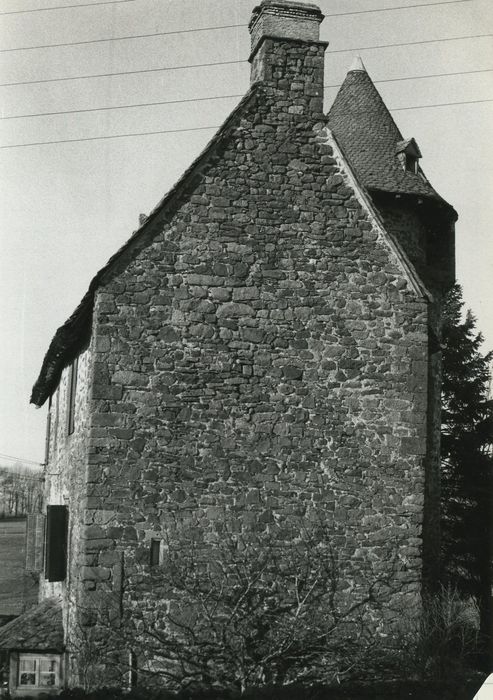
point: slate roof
(369, 137)
(38, 629)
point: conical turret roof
(370, 138)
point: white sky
(66, 208)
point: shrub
(441, 643)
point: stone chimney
(287, 53)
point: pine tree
(467, 464)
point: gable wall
(264, 359)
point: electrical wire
(141, 104)
(205, 29)
(120, 38)
(336, 14)
(401, 7)
(19, 459)
(113, 136)
(64, 7)
(409, 43)
(442, 104)
(222, 97)
(432, 75)
(203, 128)
(129, 72)
(225, 63)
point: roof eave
(437, 202)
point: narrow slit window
(155, 554)
(48, 432)
(56, 420)
(411, 163)
(133, 670)
(72, 388)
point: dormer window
(411, 164)
(408, 154)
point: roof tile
(369, 136)
(38, 629)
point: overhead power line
(113, 136)
(126, 72)
(120, 38)
(430, 75)
(132, 106)
(19, 459)
(336, 14)
(224, 63)
(441, 104)
(221, 97)
(204, 29)
(409, 43)
(64, 7)
(202, 128)
(401, 7)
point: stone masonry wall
(263, 358)
(429, 244)
(427, 240)
(65, 473)
(294, 73)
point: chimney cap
(290, 3)
(288, 7)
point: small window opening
(155, 554)
(132, 670)
(54, 427)
(411, 163)
(72, 389)
(409, 154)
(48, 436)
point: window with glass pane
(27, 672)
(47, 673)
(39, 671)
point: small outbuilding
(33, 644)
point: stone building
(266, 346)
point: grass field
(16, 588)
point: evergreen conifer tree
(467, 464)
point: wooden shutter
(56, 543)
(35, 532)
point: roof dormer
(408, 154)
